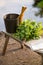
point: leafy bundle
(28, 30)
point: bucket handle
(21, 14)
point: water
(11, 6)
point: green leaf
(28, 30)
(40, 4)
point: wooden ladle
(21, 14)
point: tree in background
(39, 4)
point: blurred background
(14, 6)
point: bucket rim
(11, 14)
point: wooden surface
(18, 56)
(7, 35)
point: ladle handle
(22, 13)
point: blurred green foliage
(28, 30)
(39, 4)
